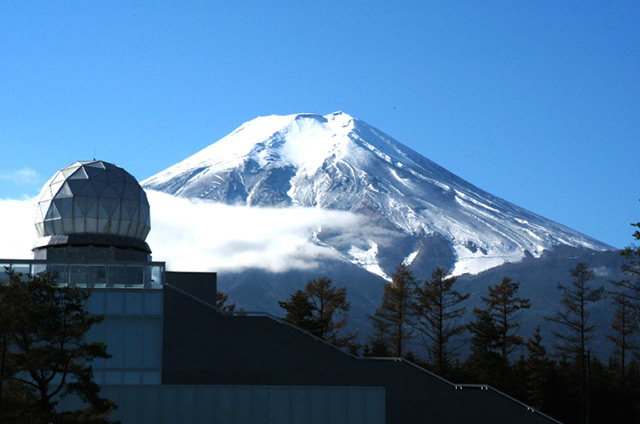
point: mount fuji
(409, 210)
(416, 211)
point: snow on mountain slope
(338, 162)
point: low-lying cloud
(201, 235)
(205, 236)
(17, 232)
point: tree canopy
(221, 302)
(321, 309)
(577, 332)
(44, 355)
(576, 299)
(505, 309)
(437, 311)
(392, 319)
(633, 254)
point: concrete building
(177, 359)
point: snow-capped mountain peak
(416, 210)
(300, 140)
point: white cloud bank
(201, 235)
(205, 236)
(17, 232)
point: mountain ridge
(339, 162)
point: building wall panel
(174, 404)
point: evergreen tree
(378, 344)
(494, 336)
(624, 326)
(626, 317)
(321, 309)
(505, 309)
(395, 311)
(329, 310)
(574, 318)
(538, 369)
(629, 289)
(633, 254)
(485, 362)
(300, 312)
(437, 310)
(576, 332)
(221, 302)
(44, 354)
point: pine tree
(395, 311)
(505, 309)
(321, 309)
(485, 362)
(627, 298)
(300, 312)
(378, 344)
(538, 368)
(574, 318)
(437, 310)
(221, 302)
(624, 325)
(329, 309)
(633, 254)
(44, 354)
(576, 332)
(629, 289)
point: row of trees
(432, 312)
(572, 385)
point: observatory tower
(92, 211)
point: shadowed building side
(254, 350)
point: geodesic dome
(95, 198)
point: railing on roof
(367, 358)
(96, 274)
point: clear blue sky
(536, 102)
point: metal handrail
(493, 389)
(81, 265)
(80, 262)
